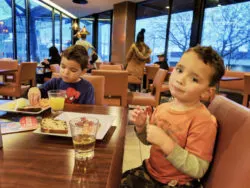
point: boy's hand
(138, 117)
(34, 96)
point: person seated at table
(55, 58)
(78, 90)
(92, 63)
(162, 61)
(182, 132)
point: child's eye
(195, 80)
(179, 70)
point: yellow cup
(56, 100)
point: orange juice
(56, 103)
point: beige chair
(149, 99)
(26, 74)
(246, 91)
(55, 68)
(111, 67)
(150, 72)
(98, 83)
(116, 86)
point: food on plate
(22, 102)
(43, 103)
(49, 125)
(29, 109)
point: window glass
(66, 32)
(226, 28)
(6, 35)
(40, 30)
(21, 35)
(179, 35)
(57, 30)
(104, 34)
(155, 34)
(88, 23)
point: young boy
(182, 132)
(74, 61)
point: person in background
(55, 58)
(162, 61)
(83, 42)
(137, 56)
(182, 132)
(78, 90)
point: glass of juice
(83, 131)
(56, 100)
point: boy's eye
(179, 70)
(195, 80)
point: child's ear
(208, 94)
(84, 71)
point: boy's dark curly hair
(77, 53)
(209, 56)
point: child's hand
(156, 135)
(34, 96)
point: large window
(6, 35)
(40, 30)
(88, 23)
(57, 30)
(227, 29)
(21, 35)
(104, 34)
(66, 32)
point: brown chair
(150, 73)
(111, 67)
(98, 83)
(246, 91)
(8, 64)
(26, 74)
(231, 165)
(116, 86)
(135, 81)
(153, 98)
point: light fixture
(80, 1)
(75, 26)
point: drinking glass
(56, 100)
(83, 131)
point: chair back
(98, 83)
(27, 73)
(231, 165)
(151, 72)
(157, 83)
(8, 64)
(116, 84)
(246, 91)
(111, 67)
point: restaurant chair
(116, 86)
(231, 165)
(55, 68)
(246, 91)
(152, 98)
(8, 64)
(111, 67)
(25, 78)
(98, 83)
(135, 81)
(150, 74)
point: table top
(32, 160)
(230, 78)
(7, 71)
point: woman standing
(137, 56)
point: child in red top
(182, 132)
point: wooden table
(32, 160)
(226, 79)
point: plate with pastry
(22, 105)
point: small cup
(83, 131)
(56, 100)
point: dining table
(37, 160)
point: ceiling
(93, 6)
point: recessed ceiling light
(80, 1)
(167, 7)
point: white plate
(105, 121)
(8, 107)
